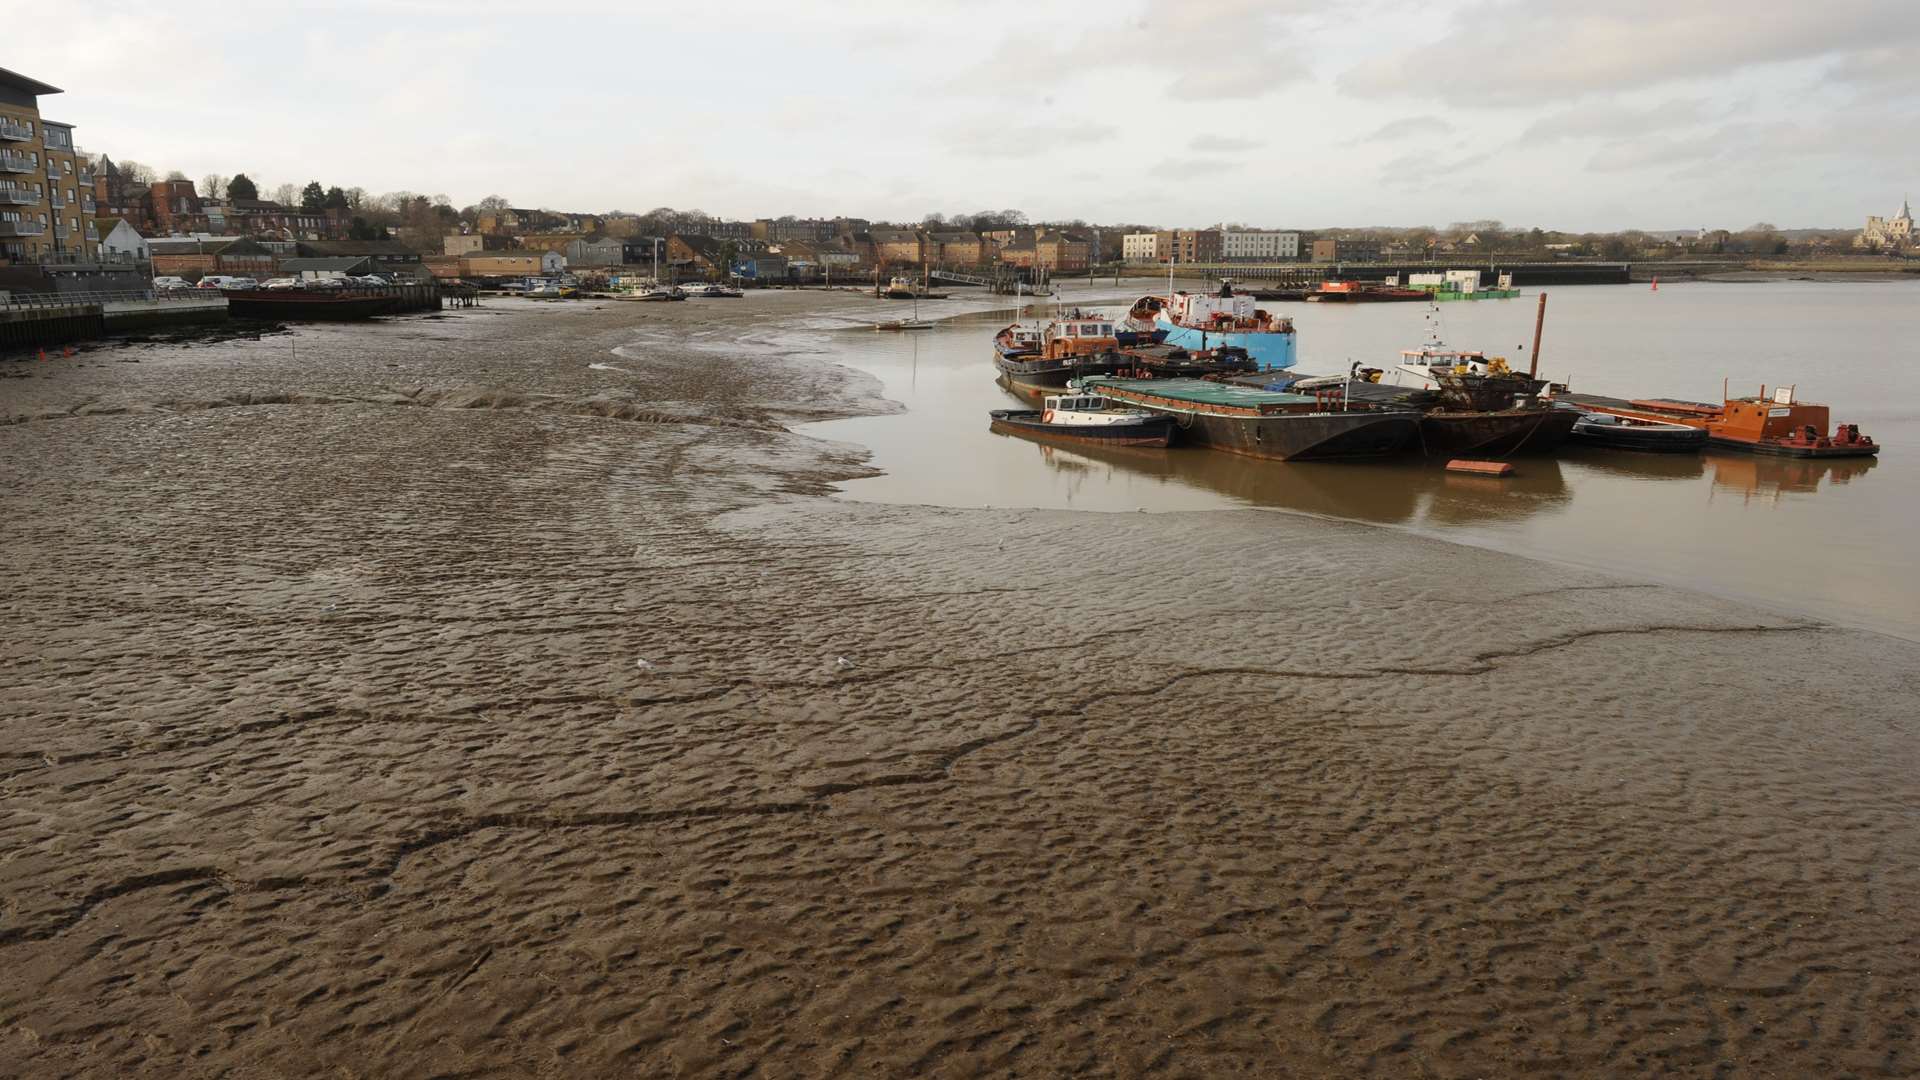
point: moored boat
(1779, 424)
(304, 304)
(1035, 361)
(1266, 423)
(1086, 418)
(1363, 292)
(1197, 321)
(1629, 433)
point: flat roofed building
(44, 209)
(1259, 244)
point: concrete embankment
(40, 321)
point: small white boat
(1087, 418)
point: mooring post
(1539, 321)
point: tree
(241, 187)
(176, 174)
(493, 202)
(286, 194)
(336, 199)
(313, 196)
(135, 173)
(356, 197)
(213, 185)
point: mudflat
(462, 697)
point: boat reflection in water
(1772, 477)
(1405, 492)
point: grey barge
(1267, 423)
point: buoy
(1656, 283)
(1481, 468)
(43, 356)
(66, 350)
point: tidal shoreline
(442, 701)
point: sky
(1580, 115)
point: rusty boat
(1777, 424)
(1268, 424)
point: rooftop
(21, 82)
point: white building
(120, 238)
(1893, 233)
(1259, 245)
(1140, 247)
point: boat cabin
(1223, 311)
(1079, 337)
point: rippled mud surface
(436, 703)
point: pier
(39, 319)
(1307, 275)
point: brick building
(194, 257)
(895, 247)
(956, 248)
(46, 195)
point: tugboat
(1267, 423)
(1032, 362)
(1196, 321)
(1086, 418)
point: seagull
(842, 663)
(643, 664)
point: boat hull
(300, 306)
(1495, 434)
(1770, 448)
(1663, 439)
(1269, 350)
(1036, 374)
(1157, 431)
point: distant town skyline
(1552, 114)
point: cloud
(1192, 168)
(1527, 51)
(1204, 50)
(1408, 127)
(1222, 144)
(1024, 140)
(1414, 172)
(1615, 121)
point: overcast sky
(1569, 114)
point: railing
(41, 301)
(21, 228)
(62, 232)
(56, 200)
(18, 197)
(89, 205)
(109, 258)
(11, 162)
(14, 129)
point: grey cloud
(1615, 121)
(1222, 144)
(1408, 127)
(1535, 50)
(1192, 168)
(1023, 140)
(1208, 50)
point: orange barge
(1777, 424)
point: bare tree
(286, 194)
(213, 186)
(135, 173)
(176, 174)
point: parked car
(165, 283)
(281, 283)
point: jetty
(29, 320)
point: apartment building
(1145, 247)
(46, 193)
(1259, 244)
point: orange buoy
(1481, 468)
(1656, 283)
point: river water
(1833, 539)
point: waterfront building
(1250, 244)
(1142, 247)
(700, 256)
(119, 240)
(45, 204)
(383, 256)
(596, 251)
(195, 256)
(1346, 249)
(898, 246)
(1888, 234)
(956, 248)
(1049, 250)
(507, 264)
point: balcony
(21, 228)
(62, 232)
(16, 163)
(57, 201)
(89, 205)
(18, 197)
(16, 131)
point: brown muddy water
(506, 694)
(1833, 539)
